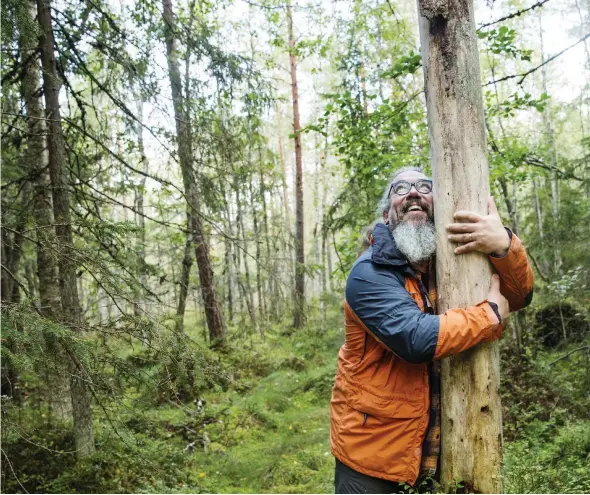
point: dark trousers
(348, 480)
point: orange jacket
(380, 401)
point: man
(385, 416)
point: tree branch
(569, 354)
(514, 14)
(529, 72)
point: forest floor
(261, 424)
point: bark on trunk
(538, 208)
(229, 261)
(271, 279)
(471, 409)
(58, 398)
(257, 251)
(299, 310)
(211, 303)
(187, 263)
(139, 303)
(81, 403)
(552, 161)
(246, 290)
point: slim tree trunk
(70, 306)
(229, 260)
(287, 235)
(283, 172)
(552, 161)
(471, 409)
(187, 263)
(257, 241)
(247, 290)
(212, 308)
(271, 280)
(510, 203)
(299, 310)
(139, 303)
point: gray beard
(415, 242)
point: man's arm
(485, 233)
(382, 304)
(516, 275)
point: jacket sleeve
(383, 305)
(516, 275)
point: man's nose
(413, 192)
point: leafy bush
(549, 459)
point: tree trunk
(247, 290)
(283, 172)
(139, 303)
(70, 315)
(471, 409)
(211, 303)
(271, 279)
(257, 242)
(299, 310)
(552, 161)
(538, 207)
(187, 263)
(229, 260)
(510, 203)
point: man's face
(414, 207)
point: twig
(568, 354)
(12, 469)
(545, 279)
(13, 277)
(514, 14)
(529, 72)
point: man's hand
(480, 233)
(497, 298)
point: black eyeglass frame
(411, 184)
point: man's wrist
(494, 306)
(503, 251)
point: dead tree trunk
(299, 310)
(471, 409)
(71, 316)
(212, 308)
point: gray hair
(384, 201)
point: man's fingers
(466, 248)
(466, 216)
(492, 208)
(495, 283)
(461, 237)
(459, 228)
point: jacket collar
(385, 251)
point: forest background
(184, 189)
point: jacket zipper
(365, 416)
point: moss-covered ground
(260, 421)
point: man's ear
(385, 217)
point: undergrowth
(253, 417)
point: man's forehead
(410, 175)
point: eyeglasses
(402, 187)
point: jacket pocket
(393, 407)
